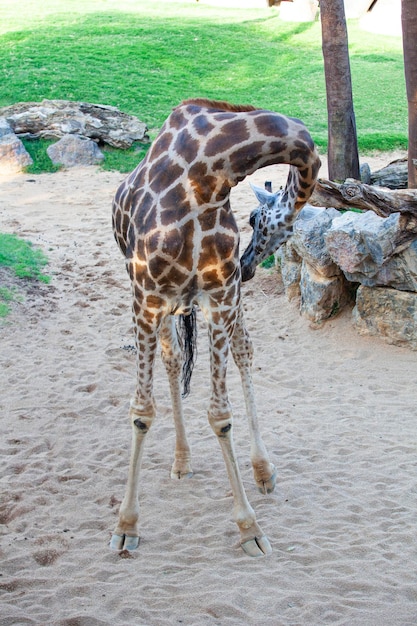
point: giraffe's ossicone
(174, 225)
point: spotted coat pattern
(173, 223)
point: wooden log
(384, 202)
(393, 176)
(52, 119)
(354, 194)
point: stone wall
(336, 258)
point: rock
(387, 313)
(399, 272)
(71, 150)
(13, 154)
(309, 242)
(368, 249)
(393, 176)
(322, 296)
(365, 173)
(308, 270)
(362, 242)
(52, 119)
(290, 263)
(289, 259)
(365, 247)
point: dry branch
(353, 194)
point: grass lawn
(22, 261)
(145, 56)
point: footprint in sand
(50, 549)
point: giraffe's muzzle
(247, 264)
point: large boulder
(290, 263)
(52, 119)
(322, 297)
(309, 239)
(365, 247)
(387, 313)
(13, 154)
(362, 242)
(330, 253)
(308, 270)
(71, 151)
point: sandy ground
(337, 411)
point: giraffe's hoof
(268, 486)
(124, 542)
(258, 546)
(176, 474)
(181, 468)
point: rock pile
(79, 127)
(334, 258)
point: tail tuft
(187, 330)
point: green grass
(269, 262)
(41, 160)
(6, 296)
(22, 258)
(145, 57)
(123, 160)
(24, 261)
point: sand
(337, 412)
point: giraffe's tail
(188, 336)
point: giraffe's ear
(264, 197)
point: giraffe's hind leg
(172, 358)
(126, 533)
(263, 470)
(142, 413)
(252, 539)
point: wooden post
(343, 147)
(409, 26)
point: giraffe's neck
(272, 222)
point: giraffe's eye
(252, 219)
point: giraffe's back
(172, 217)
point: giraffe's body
(173, 222)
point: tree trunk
(343, 149)
(409, 26)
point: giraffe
(173, 223)
(272, 223)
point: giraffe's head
(272, 223)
